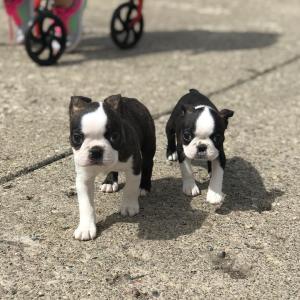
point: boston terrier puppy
(115, 135)
(195, 131)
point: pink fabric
(11, 9)
(65, 13)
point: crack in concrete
(35, 166)
(239, 82)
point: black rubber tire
(131, 34)
(45, 39)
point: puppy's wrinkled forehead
(94, 123)
(205, 123)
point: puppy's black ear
(226, 114)
(187, 109)
(78, 103)
(114, 101)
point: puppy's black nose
(96, 153)
(202, 148)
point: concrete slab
(206, 44)
(178, 247)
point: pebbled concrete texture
(177, 247)
(206, 44)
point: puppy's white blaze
(94, 123)
(205, 123)
(93, 126)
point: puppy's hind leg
(147, 166)
(110, 184)
(171, 137)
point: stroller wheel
(126, 27)
(45, 40)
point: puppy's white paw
(85, 232)
(109, 188)
(190, 187)
(173, 156)
(213, 197)
(129, 209)
(143, 192)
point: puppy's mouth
(89, 164)
(101, 162)
(201, 155)
(95, 163)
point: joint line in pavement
(239, 82)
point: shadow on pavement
(163, 41)
(165, 213)
(244, 188)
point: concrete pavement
(246, 55)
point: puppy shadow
(244, 188)
(165, 213)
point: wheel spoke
(40, 51)
(50, 52)
(129, 13)
(136, 33)
(58, 39)
(119, 31)
(122, 22)
(34, 38)
(50, 28)
(40, 28)
(126, 37)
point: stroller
(46, 38)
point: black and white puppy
(195, 131)
(115, 135)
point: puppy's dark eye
(114, 137)
(77, 139)
(187, 136)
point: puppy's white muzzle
(201, 149)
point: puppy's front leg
(190, 187)
(130, 201)
(86, 229)
(214, 193)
